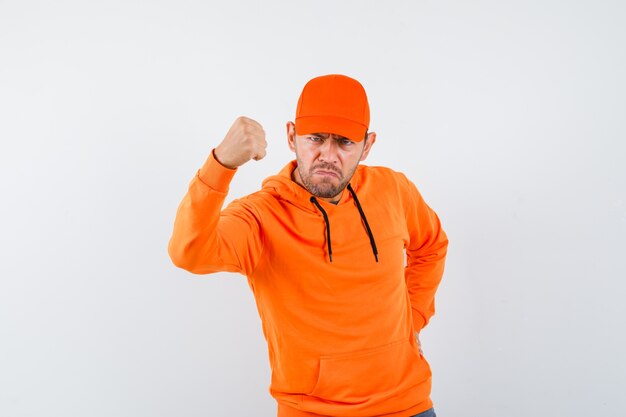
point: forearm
(195, 239)
(423, 276)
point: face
(326, 162)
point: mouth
(325, 173)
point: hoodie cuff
(215, 175)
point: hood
(282, 187)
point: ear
(291, 136)
(371, 138)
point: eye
(315, 139)
(346, 142)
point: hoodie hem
(288, 411)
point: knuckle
(247, 130)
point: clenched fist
(244, 141)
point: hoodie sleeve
(426, 255)
(207, 239)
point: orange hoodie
(340, 332)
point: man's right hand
(244, 141)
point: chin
(325, 190)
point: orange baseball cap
(333, 103)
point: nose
(328, 152)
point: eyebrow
(325, 136)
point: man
(343, 259)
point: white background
(508, 115)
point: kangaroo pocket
(370, 376)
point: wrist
(220, 160)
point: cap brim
(330, 124)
